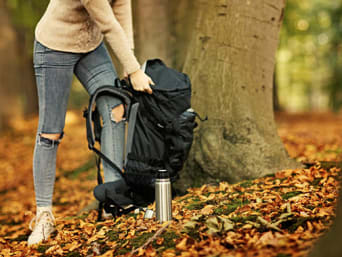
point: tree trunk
(8, 71)
(182, 15)
(26, 90)
(152, 30)
(163, 29)
(276, 104)
(231, 63)
(18, 94)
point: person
(69, 40)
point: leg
(54, 71)
(112, 135)
(94, 70)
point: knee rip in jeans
(117, 113)
(49, 140)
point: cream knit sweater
(79, 25)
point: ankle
(43, 209)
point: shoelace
(36, 219)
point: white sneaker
(44, 225)
(107, 215)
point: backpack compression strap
(125, 97)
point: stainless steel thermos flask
(163, 196)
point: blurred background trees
(18, 94)
(17, 90)
(308, 66)
(309, 59)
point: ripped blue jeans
(54, 72)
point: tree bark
(231, 63)
(18, 94)
(152, 30)
(182, 15)
(8, 76)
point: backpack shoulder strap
(125, 96)
(130, 131)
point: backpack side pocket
(179, 139)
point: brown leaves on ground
(311, 137)
(278, 215)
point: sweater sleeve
(101, 13)
(123, 12)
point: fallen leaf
(207, 210)
(182, 244)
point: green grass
(195, 206)
(43, 248)
(292, 224)
(73, 254)
(112, 235)
(230, 207)
(283, 255)
(247, 183)
(74, 174)
(239, 219)
(289, 195)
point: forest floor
(278, 215)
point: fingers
(150, 81)
(145, 88)
(148, 90)
(141, 82)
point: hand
(141, 82)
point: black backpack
(159, 136)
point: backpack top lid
(171, 94)
(165, 78)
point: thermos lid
(163, 174)
(149, 214)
